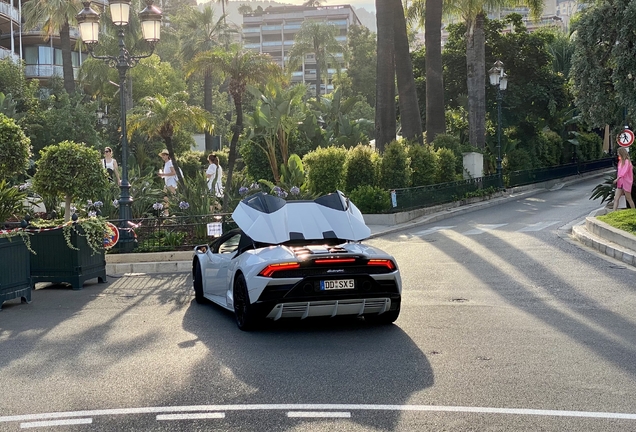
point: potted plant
(15, 278)
(69, 250)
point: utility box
(473, 165)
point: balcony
(272, 43)
(46, 71)
(272, 27)
(252, 46)
(6, 53)
(10, 12)
(252, 30)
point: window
(45, 55)
(58, 56)
(230, 245)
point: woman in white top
(110, 165)
(214, 173)
(168, 173)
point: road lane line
(318, 407)
(56, 423)
(318, 414)
(194, 416)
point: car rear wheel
(197, 281)
(385, 318)
(242, 307)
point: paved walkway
(591, 233)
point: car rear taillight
(272, 268)
(382, 263)
(334, 261)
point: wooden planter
(15, 273)
(56, 262)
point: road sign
(625, 138)
(111, 237)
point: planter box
(56, 262)
(15, 273)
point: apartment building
(272, 31)
(42, 56)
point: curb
(607, 240)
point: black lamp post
(88, 21)
(499, 79)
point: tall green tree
(318, 38)
(200, 31)
(361, 68)
(241, 67)
(55, 16)
(473, 14)
(163, 117)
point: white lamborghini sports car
(297, 259)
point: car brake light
(334, 261)
(272, 268)
(383, 263)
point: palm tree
(410, 118)
(241, 67)
(163, 117)
(385, 123)
(318, 38)
(428, 13)
(313, 3)
(55, 16)
(200, 31)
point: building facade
(272, 31)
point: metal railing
(177, 233)
(430, 195)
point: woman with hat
(168, 172)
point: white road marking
(538, 226)
(482, 228)
(318, 414)
(433, 230)
(194, 416)
(317, 407)
(56, 423)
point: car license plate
(336, 284)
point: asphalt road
(506, 325)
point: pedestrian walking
(624, 178)
(110, 165)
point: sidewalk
(593, 233)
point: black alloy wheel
(242, 307)
(197, 281)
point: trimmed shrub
(15, 148)
(517, 160)
(190, 163)
(590, 146)
(452, 143)
(394, 167)
(325, 168)
(549, 146)
(424, 165)
(361, 167)
(447, 163)
(371, 199)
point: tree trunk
(410, 117)
(318, 59)
(207, 104)
(435, 120)
(476, 82)
(385, 87)
(67, 59)
(231, 159)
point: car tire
(197, 282)
(243, 310)
(385, 318)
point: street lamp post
(88, 21)
(499, 79)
